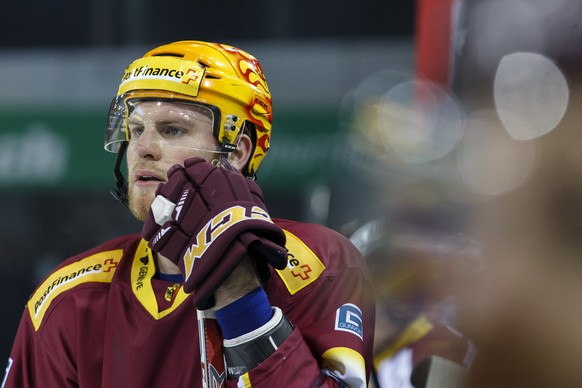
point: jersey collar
(143, 269)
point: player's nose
(148, 144)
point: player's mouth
(144, 178)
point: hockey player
(213, 292)
(418, 274)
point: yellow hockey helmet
(224, 78)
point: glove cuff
(250, 350)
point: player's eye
(135, 131)
(173, 131)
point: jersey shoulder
(315, 251)
(96, 265)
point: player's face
(163, 134)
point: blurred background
(438, 117)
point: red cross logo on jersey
(304, 275)
(109, 264)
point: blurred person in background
(517, 71)
(523, 311)
(212, 277)
(419, 274)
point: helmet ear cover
(249, 130)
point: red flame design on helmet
(263, 142)
(250, 69)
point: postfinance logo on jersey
(303, 268)
(96, 268)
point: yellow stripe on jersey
(412, 333)
(303, 268)
(244, 381)
(347, 364)
(143, 269)
(98, 268)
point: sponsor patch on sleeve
(303, 268)
(96, 268)
(348, 317)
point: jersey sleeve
(328, 296)
(294, 363)
(339, 327)
(61, 319)
(34, 362)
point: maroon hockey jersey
(103, 319)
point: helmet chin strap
(120, 192)
(223, 162)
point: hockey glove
(206, 219)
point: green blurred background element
(60, 149)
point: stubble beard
(140, 201)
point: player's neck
(166, 266)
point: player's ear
(239, 157)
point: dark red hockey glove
(219, 216)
